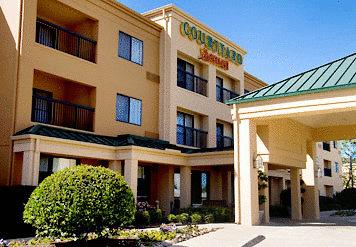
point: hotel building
(93, 82)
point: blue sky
(282, 37)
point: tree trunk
(351, 173)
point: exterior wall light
(258, 162)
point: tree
(348, 154)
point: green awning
(338, 74)
(114, 141)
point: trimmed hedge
(79, 200)
(346, 198)
(216, 214)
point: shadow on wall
(8, 64)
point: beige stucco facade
(328, 171)
(62, 58)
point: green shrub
(142, 218)
(346, 198)
(220, 214)
(171, 218)
(78, 200)
(344, 213)
(209, 218)
(195, 218)
(183, 218)
(328, 203)
(155, 216)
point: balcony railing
(191, 137)
(62, 113)
(327, 172)
(64, 40)
(224, 141)
(326, 146)
(191, 82)
(223, 94)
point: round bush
(171, 218)
(79, 200)
(195, 218)
(182, 218)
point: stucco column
(311, 195)
(211, 132)
(248, 174)
(165, 187)
(226, 187)
(30, 168)
(130, 174)
(295, 194)
(209, 72)
(185, 186)
(115, 165)
(236, 170)
(215, 184)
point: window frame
(130, 36)
(129, 106)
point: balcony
(191, 82)
(62, 113)
(327, 172)
(64, 40)
(224, 141)
(191, 137)
(223, 94)
(326, 146)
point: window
(130, 48)
(337, 167)
(128, 110)
(143, 183)
(219, 89)
(219, 135)
(185, 74)
(185, 124)
(50, 165)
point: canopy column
(296, 201)
(311, 194)
(248, 174)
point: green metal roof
(338, 74)
(114, 141)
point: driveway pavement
(329, 231)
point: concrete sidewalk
(281, 233)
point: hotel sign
(212, 50)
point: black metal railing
(224, 141)
(223, 94)
(62, 113)
(326, 146)
(191, 137)
(64, 40)
(191, 82)
(327, 172)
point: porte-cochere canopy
(337, 74)
(282, 123)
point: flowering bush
(168, 227)
(2, 243)
(144, 206)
